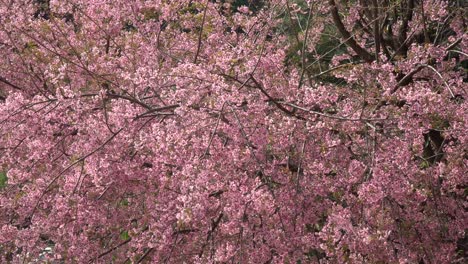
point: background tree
(233, 131)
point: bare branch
(214, 132)
(69, 167)
(406, 79)
(335, 116)
(5, 81)
(440, 76)
(110, 250)
(349, 39)
(200, 34)
(282, 108)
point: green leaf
(424, 165)
(3, 179)
(123, 202)
(124, 235)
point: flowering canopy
(281, 131)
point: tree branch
(281, 107)
(69, 167)
(406, 79)
(200, 34)
(110, 250)
(5, 81)
(349, 39)
(404, 28)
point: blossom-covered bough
(281, 131)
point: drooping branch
(409, 77)
(441, 77)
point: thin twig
(406, 79)
(214, 132)
(335, 116)
(300, 165)
(145, 255)
(440, 76)
(304, 48)
(152, 110)
(110, 250)
(5, 81)
(69, 167)
(282, 108)
(200, 34)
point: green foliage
(123, 202)
(3, 179)
(124, 235)
(438, 122)
(326, 48)
(329, 45)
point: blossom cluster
(227, 131)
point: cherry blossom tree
(218, 131)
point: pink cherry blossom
(233, 131)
